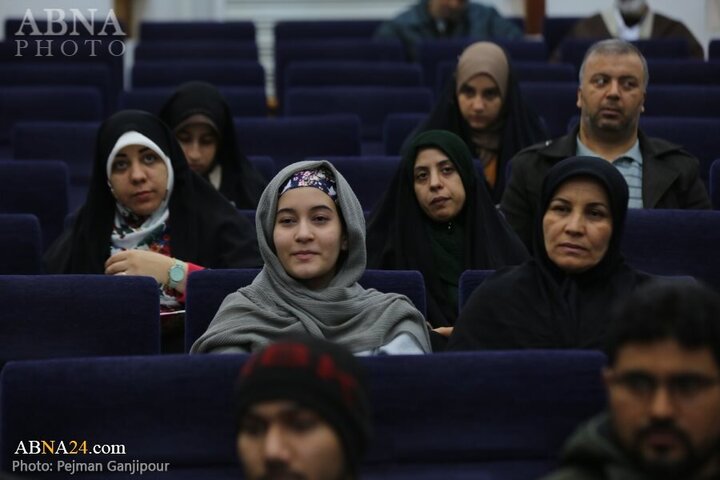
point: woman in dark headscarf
(311, 232)
(482, 104)
(202, 122)
(147, 213)
(560, 298)
(437, 217)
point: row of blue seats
(296, 137)
(470, 416)
(553, 101)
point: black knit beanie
(318, 375)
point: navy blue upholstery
(369, 176)
(324, 29)
(243, 101)
(290, 139)
(674, 242)
(171, 73)
(352, 74)
(20, 244)
(555, 29)
(371, 104)
(699, 136)
(685, 72)
(433, 52)
(38, 188)
(265, 165)
(61, 75)
(573, 50)
(465, 415)
(469, 281)
(352, 49)
(237, 31)
(525, 72)
(682, 100)
(18, 104)
(76, 51)
(396, 129)
(196, 50)
(555, 102)
(207, 289)
(715, 184)
(53, 316)
(71, 142)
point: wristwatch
(176, 274)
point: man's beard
(630, 7)
(660, 468)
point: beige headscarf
(483, 57)
(489, 59)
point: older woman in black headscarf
(482, 104)
(203, 124)
(560, 298)
(147, 213)
(437, 217)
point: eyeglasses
(684, 386)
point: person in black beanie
(303, 412)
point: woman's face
(308, 236)
(438, 186)
(200, 144)
(138, 178)
(577, 225)
(480, 101)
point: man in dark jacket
(663, 383)
(439, 19)
(611, 96)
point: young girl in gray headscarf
(311, 233)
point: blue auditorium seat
(76, 51)
(683, 72)
(207, 289)
(699, 136)
(433, 52)
(396, 129)
(22, 104)
(196, 50)
(469, 281)
(243, 101)
(555, 29)
(573, 50)
(38, 188)
(352, 74)
(682, 100)
(290, 139)
(369, 176)
(325, 29)
(524, 71)
(715, 184)
(60, 75)
(353, 49)
(465, 415)
(54, 316)
(265, 165)
(674, 242)
(371, 104)
(71, 142)
(171, 73)
(20, 244)
(555, 102)
(191, 31)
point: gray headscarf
(276, 305)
